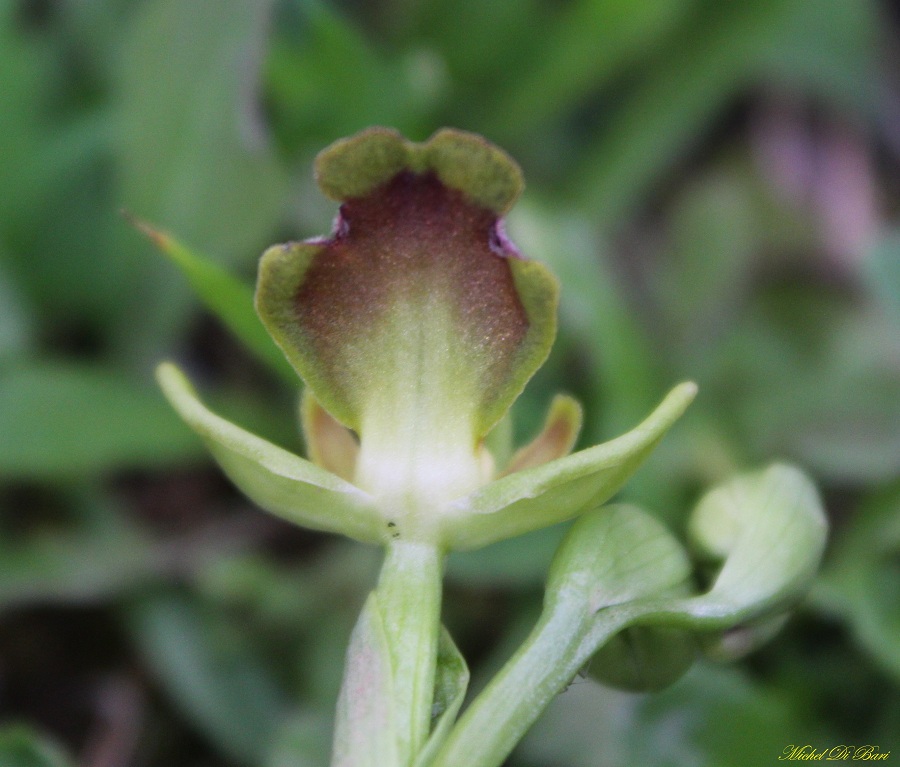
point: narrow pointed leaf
(560, 489)
(225, 296)
(275, 479)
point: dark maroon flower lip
(418, 236)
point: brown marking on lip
(410, 235)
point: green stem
(544, 665)
(409, 595)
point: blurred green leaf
(624, 373)
(686, 86)
(326, 80)
(807, 376)
(700, 283)
(828, 53)
(21, 746)
(73, 568)
(515, 562)
(24, 79)
(61, 420)
(578, 52)
(226, 297)
(192, 150)
(303, 740)
(212, 671)
(16, 318)
(882, 270)
(862, 581)
(714, 716)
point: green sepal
(275, 479)
(559, 490)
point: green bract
(415, 326)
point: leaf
(769, 529)
(611, 556)
(660, 118)
(16, 320)
(60, 420)
(579, 52)
(714, 716)
(73, 568)
(224, 296)
(211, 672)
(882, 270)
(302, 741)
(21, 746)
(193, 155)
(451, 682)
(560, 489)
(861, 583)
(280, 482)
(364, 732)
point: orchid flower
(415, 325)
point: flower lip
(418, 292)
(484, 173)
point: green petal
(561, 489)
(275, 479)
(556, 439)
(330, 444)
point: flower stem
(409, 595)
(495, 722)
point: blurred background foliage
(716, 185)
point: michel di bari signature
(842, 753)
